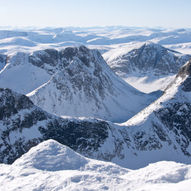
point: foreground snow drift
(52, 166)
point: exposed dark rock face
(23, 125)
(53, 60)
(185, 71)
(3, 60)
(11, 103)
(48, 56)
(177, 118)
(82, 136)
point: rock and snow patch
(52, 166)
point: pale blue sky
(60, 13)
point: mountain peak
(152, 45)
(149, 58)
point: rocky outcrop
(24, 125)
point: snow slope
(84, 86)
(148, 83)
(52, 166)
(23, 125)
(74, 81)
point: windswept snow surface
(52, 166)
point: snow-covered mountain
(83, 85)
(23, 125)
(110, 41)
(148, 67)
(149, 58)
(75, 81)
(78, 82)
(52, 166)
(170, 114)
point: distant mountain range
(102, 38)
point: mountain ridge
(125, 144)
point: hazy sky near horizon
(83, 13)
